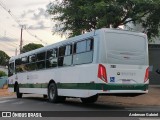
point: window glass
(17, 64)
(18, 69)
(40, 56)
(18, 61)
(83, 52)
(89, 45)
(32, 58)
(65, 50)
(31, 66)
(51, 63)
(52, 53)
(20, 64)
(62, 50)
(52, 58)
(24, 60)
(65, 61)
(41, 65)
(65, 55)
(23, 67)
(82, 58)
(80, 46)
(68, 50)
(11, 69)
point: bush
(2, 73)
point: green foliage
(79, 16)
(2, 73)
(31, 46)
(4, 58)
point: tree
(4, 58)
(2, 73)
(31, 46)
(79, 16)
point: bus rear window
(125, 49)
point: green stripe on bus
(11, 85)
(88, 86)
(102, 86)
(40, 85)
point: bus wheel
(91, 99)
(52, 93)
(19, 95)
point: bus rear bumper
(123, 93)
(124, 89)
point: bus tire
(91, 99)
(19, 95)
(52, 93)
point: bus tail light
(102, 74)
(146, 77)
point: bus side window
(83, 52)
(17, 65)
(41, 60)
(23, 66)
(65, 55)
(81, 46)
(11, 69)
(32, 63)
(51, 60)
(89, 45)
(32, 58)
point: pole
(21, 41)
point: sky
(30, 13)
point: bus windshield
(126, 49)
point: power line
(9, 12)
(10, 35)
(17, 21)
(36, 36)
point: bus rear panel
(123, 63)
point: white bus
(101, 62)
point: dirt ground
(152, 98)
(4, 93)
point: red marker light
(102, 74)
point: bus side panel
(78, 81)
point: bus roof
(73, 39)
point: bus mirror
(158, 71)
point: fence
(3, 81)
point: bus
(101, 62)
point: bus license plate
(126, 81)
